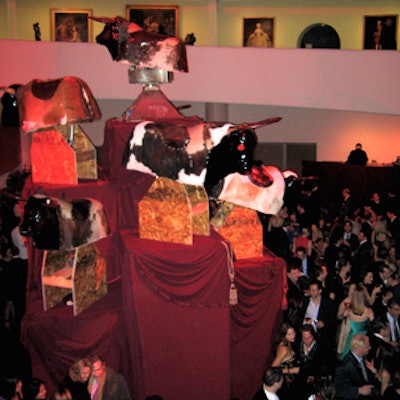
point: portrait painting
(380, 32)
(258, 32)
(162, 19)
(69, 25)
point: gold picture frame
(163, 19)
(70, 25)
(258, 32)
(380, 32)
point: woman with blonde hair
(359, 315)
(77, 379)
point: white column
(217, 112)
(11, 17)
(213, 18)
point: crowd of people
(87, 379)
(341, 327)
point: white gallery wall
(333, 98)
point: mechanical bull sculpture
(45, 104)
(129, 43)
(55, 224)
(218, 156)
(192, 152)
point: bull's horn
(259, 124)
(290, 174)
(105, 20)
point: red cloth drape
(116, 137)
(254, 321)
(194, 275)
(177, 317)
(10, 149)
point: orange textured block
(173, 212)
(80, 272)
(242, 228)
(52, 159)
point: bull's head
(41, 223)
(235, 153)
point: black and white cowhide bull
(191, 151)
(55, 224)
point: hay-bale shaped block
(198, 200)
(56, 161)
(173, 212)
(242, 228)
(79, 273)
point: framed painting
(162, 19)
(380, 32)
(258, 32)
(70, 25)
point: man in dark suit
(362, 257)
(382, 352)
(393, 225)
(320, 312)
(105, 383)
(354, 378)
(357, 156)
(312, 362)
(346, 209)
(349, 239)
(295, 297)
(307, 263)
(392, 316)
(272, 382)
(394, 284)
(381, 276)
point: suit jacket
(295, 300)
(310, 267)
(313, 363)
(382, 353)
(395, 290)
(357, 157)
(361, 259)
(113, 387)
(364, 252)
(394, 228)
(326, 335)
(79, 390)
(348, 378)
(346, 209)
(260, 395)
(326, 314)
(352, 240)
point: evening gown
(355, 328)
(290, 381)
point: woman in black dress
(77, 379)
